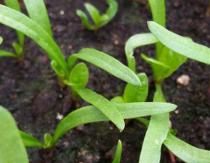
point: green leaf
(156, 134)
(112, 9)
(79, 76)
(4, 53)
(104, 105)
(118, 99)
(1, 40)
(160, 70)
(158, 8)
(85, 20)
(118, 153)
(38, 12)
(182, 45)
(185, 151)
(48, 140)
(109, 64)
(94, 13)
(134, 93)
(90, 114)
(11, 149)
(14, 4)
(134, 42)
(19, 21)
(172, 60)
(30, 141)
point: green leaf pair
(98, 20)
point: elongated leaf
(160, 70)
(94, 13)
(112, 9)
(1, 40)
(185, 151)
(90, 114)
(156, 134)
(38, 12)
(182, 45)
(20, 22)
(30, 141)
(104, 105)
(14, 4)
(11, 149)
(134, 93)
(4, 53)
(79, 76)
(158, 11)
(134, 42)
(109, 64)
(118, 153)
(85, 20)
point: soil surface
(30, 90)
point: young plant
(18, 46)
(98, 20)
(12, 148)
(91, 114)
(172, 51)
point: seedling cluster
(172, 50)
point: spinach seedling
(91, 114)
(172, 51)
(98, 20)
(18, 46)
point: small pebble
(183, 80)
(59, 116)
(62, 12)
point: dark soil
(29, 88)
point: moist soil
(30, 90)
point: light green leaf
(109, 64)
(134, 93)
(94, 13)
(38, 12)
(118, 153)
(85, 20)
(1, 40)
(11, 149)
(182, 45)
(112, 9)
(104, 105)
(14, 4)
(134, 42)
(79, 76)
(185, 151)
(19, 21)
(158, 8)
(30, 141)
(90, 114)
(160, 70)
(156, 134)
(4, 53)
